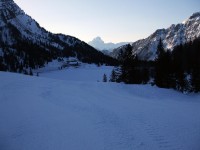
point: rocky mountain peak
(99, 44)
(197, 14)
(98, 38)
(174, 35)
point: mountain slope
(171, 37)
(99, 44)
(23, 41)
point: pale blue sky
(113, 20)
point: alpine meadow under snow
(64, 105)
(54, 111)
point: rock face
(171, 37)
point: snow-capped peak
(99, 44)
(171, 37)
(194, 16)
(98, 39)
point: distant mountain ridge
(99, 44)
(175, 35)
(25, 42)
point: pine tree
(127, 66)
(159, 65)
(179, 69)
(20, 67)
(195, 79)
(163, 72)
(25, 72)
(113, 77)
(104, 78)
(2, 66)
(160, 50)
(145, 75)
(30, 72)
(118, 74)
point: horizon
(113, 21)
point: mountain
(99, 44)
(25, 44)
(171, 37)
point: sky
(112, 20)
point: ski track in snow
(48, 114)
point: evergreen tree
(30, 72)
(127, 66)
(195, 80)
(113, 77)
(2, 66)
(104, 78)
(195, 73)
(25, 72)
(158, 65)
(117, 71)
(163, 72)
(20, 67)
(145, 75)
(179, 69)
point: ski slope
(52, 113)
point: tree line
(178, 69)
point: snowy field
(55, 112)
(86, 73)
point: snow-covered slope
(47, 114)
(83, 72)
(28, 28)
(172, 36)
(99, 44)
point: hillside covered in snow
(57, 111)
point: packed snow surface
(41, 113)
